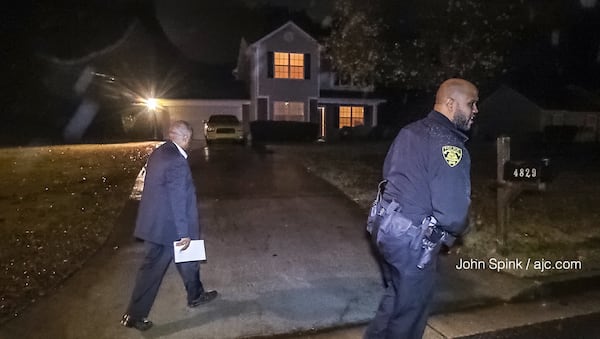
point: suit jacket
(168, 209)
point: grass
(59, 205)
(560, 223)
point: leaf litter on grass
(59, 205)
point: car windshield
(227, 119)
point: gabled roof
(503, 96)
(287, 25)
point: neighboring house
(508, 112)
(286, 80)
(587, 124)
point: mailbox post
(514, 177)
(503, 191)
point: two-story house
(287, 80)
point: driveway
(285, 249)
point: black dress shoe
(203, 298)
(140, 324)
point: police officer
(425, 202)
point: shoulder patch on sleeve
(452, 155)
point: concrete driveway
(285, 250)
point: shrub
(269, 130)
(560, 134)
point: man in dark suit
(168, 212)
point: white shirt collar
(181, 150)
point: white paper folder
(195, 252)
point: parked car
(223, 127)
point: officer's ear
(450, 104)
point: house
(286, 79)
(508, 112)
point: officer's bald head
(450, 88)
(457, 100)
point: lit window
(290, 111)
(352, 116)
(288, 65)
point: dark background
(188, 48)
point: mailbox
(531, 171)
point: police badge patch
(452, 155)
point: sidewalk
(485, 320)
(494, 301)
(509, 302)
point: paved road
(285, 250)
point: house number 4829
(525, 172)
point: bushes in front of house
(560, 134)
(280, 131)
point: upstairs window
(289, 65)
(352, 116)
(283, 65)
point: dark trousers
(149, 277)
(404, 307)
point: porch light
(151, 103)
(152, 106)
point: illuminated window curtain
(345, 116)
(288, 111)
(358, 116)
(288, 65)
(296, 66)
(281, 64)
(352, 116)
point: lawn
(560, 223)
(59, 205)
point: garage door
(196, 115)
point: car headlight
(210, 129)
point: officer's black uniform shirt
(428, 172)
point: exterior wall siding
(368, 115)
(262, 109)
(313, 111)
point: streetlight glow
(151, 103)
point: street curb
(465, 305)
(441, 308)
(311, 332)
